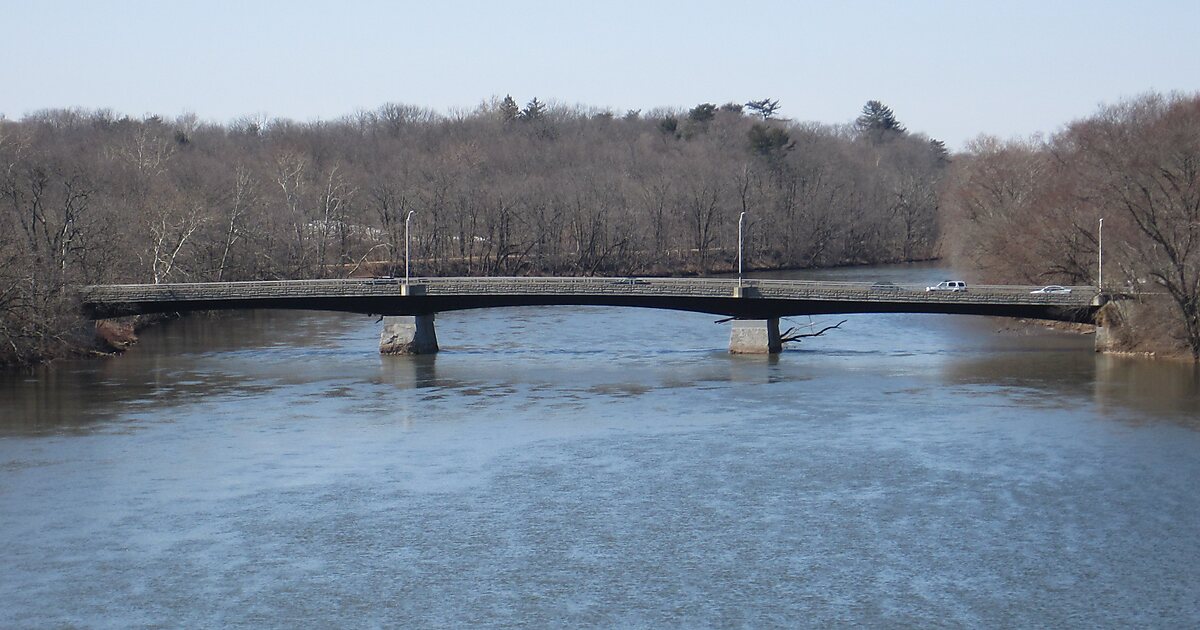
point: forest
(542, 189)
(91, 197)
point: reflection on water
(601, 467)
(410, 372)
(1156, 388)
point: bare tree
(1029, 210)
(1142, 158)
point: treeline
(92, 197)
(1030, 211)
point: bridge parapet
(1081, 297)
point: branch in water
(788, 336)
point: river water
(601, 467)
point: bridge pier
(1109, 337)
(408, 334)
(755, 336)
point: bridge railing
(501, 285)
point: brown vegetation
(1030, 212)
(90, 197)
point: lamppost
(1100, 248)
(406, 220)
(741, 219)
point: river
(601, 467)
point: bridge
(754, 306)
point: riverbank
(1145, 327)
(83, 339)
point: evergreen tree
(878, 122)
(939, 151)
(533, 110)
(509, 110)
(768, 140)
(702, 113)
(669, 125)
(765, 108)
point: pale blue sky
(952, 70)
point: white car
(1054, 288)
(956, 286)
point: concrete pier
(755, 336)
(408, 334)
(1108, 327)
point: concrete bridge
(754, 306)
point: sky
(950, 69)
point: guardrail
(510, 285)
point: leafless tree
(1030, 210)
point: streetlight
(406, 219)
(741, 219)
(1100, 248)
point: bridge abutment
(755, 336)
(1109, 335)
(408, 334)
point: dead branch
(788, 336)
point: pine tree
(939, 151)
(669, 126)
(509, 111)
(765, 108)
(768, 140)
(878, 122)
(533, 110)
(702, 113)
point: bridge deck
(759, 298)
